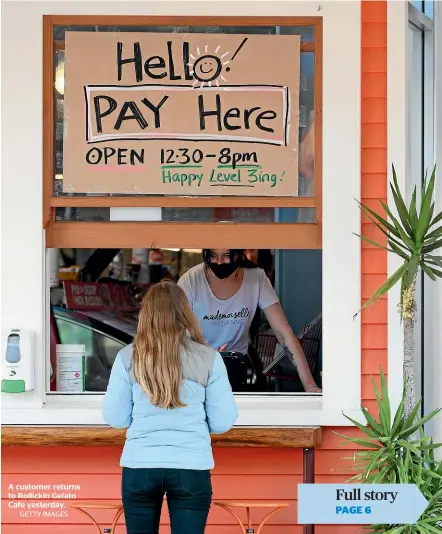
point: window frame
(426, 353)
(436, 311)
(341, 251)
(77, 235)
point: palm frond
(414, 235)
(385, 287)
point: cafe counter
(42, 435)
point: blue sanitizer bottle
(13, 382)
(13, 349)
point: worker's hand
(313, 389)
(223, 348)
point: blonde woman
(170, 390)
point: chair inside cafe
(269, 367)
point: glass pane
(307, 33)
(429, 8)
(59, 117)
(101, 350)
(415, 176)
(426, 6)
(250, 215)
(306, 94)
(418, 4)
(306, 125)
(59, 31)
(108, 318)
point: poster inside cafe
(181, 114)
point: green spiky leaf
(400, 205)
(391, 239)
(425, 213)
(435, 234)
(398, 251)
(436, 219)
(386, 286)
(427, 270)
(412, 209)
(437, 260)
(375, 426)
(434, 246)
(403, 235)
(371, 213)
(377, 245)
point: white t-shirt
(227, 321)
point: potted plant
(387, 455)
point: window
(304, 207)
(298, 216)
(101, 349)
(424, 6)
(100, 311)
(420, 57)
(282, 228)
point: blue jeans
(188, 492)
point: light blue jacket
(172, 438)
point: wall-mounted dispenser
(17, 361)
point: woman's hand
(313, 389)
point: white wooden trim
(436, 339)
(265, 412)
(431, 326)
(341, 215)
(397, 17)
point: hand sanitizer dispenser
(17, 362)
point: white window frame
(424, 366)
(436, 313)
(397, 138)
(341, 249)
(399, 14)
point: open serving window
(94, 306)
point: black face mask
(223, 270)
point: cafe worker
(225, 292)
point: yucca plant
(415, 236)
(389, 457)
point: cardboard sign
(181, 114)
(98, 296)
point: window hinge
(48, 219)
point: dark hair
(240, 253)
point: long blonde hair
(164, 320)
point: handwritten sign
(181, 114)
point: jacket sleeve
(220, 406)
(117, 402)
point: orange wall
(374, 183)
(240, 473)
